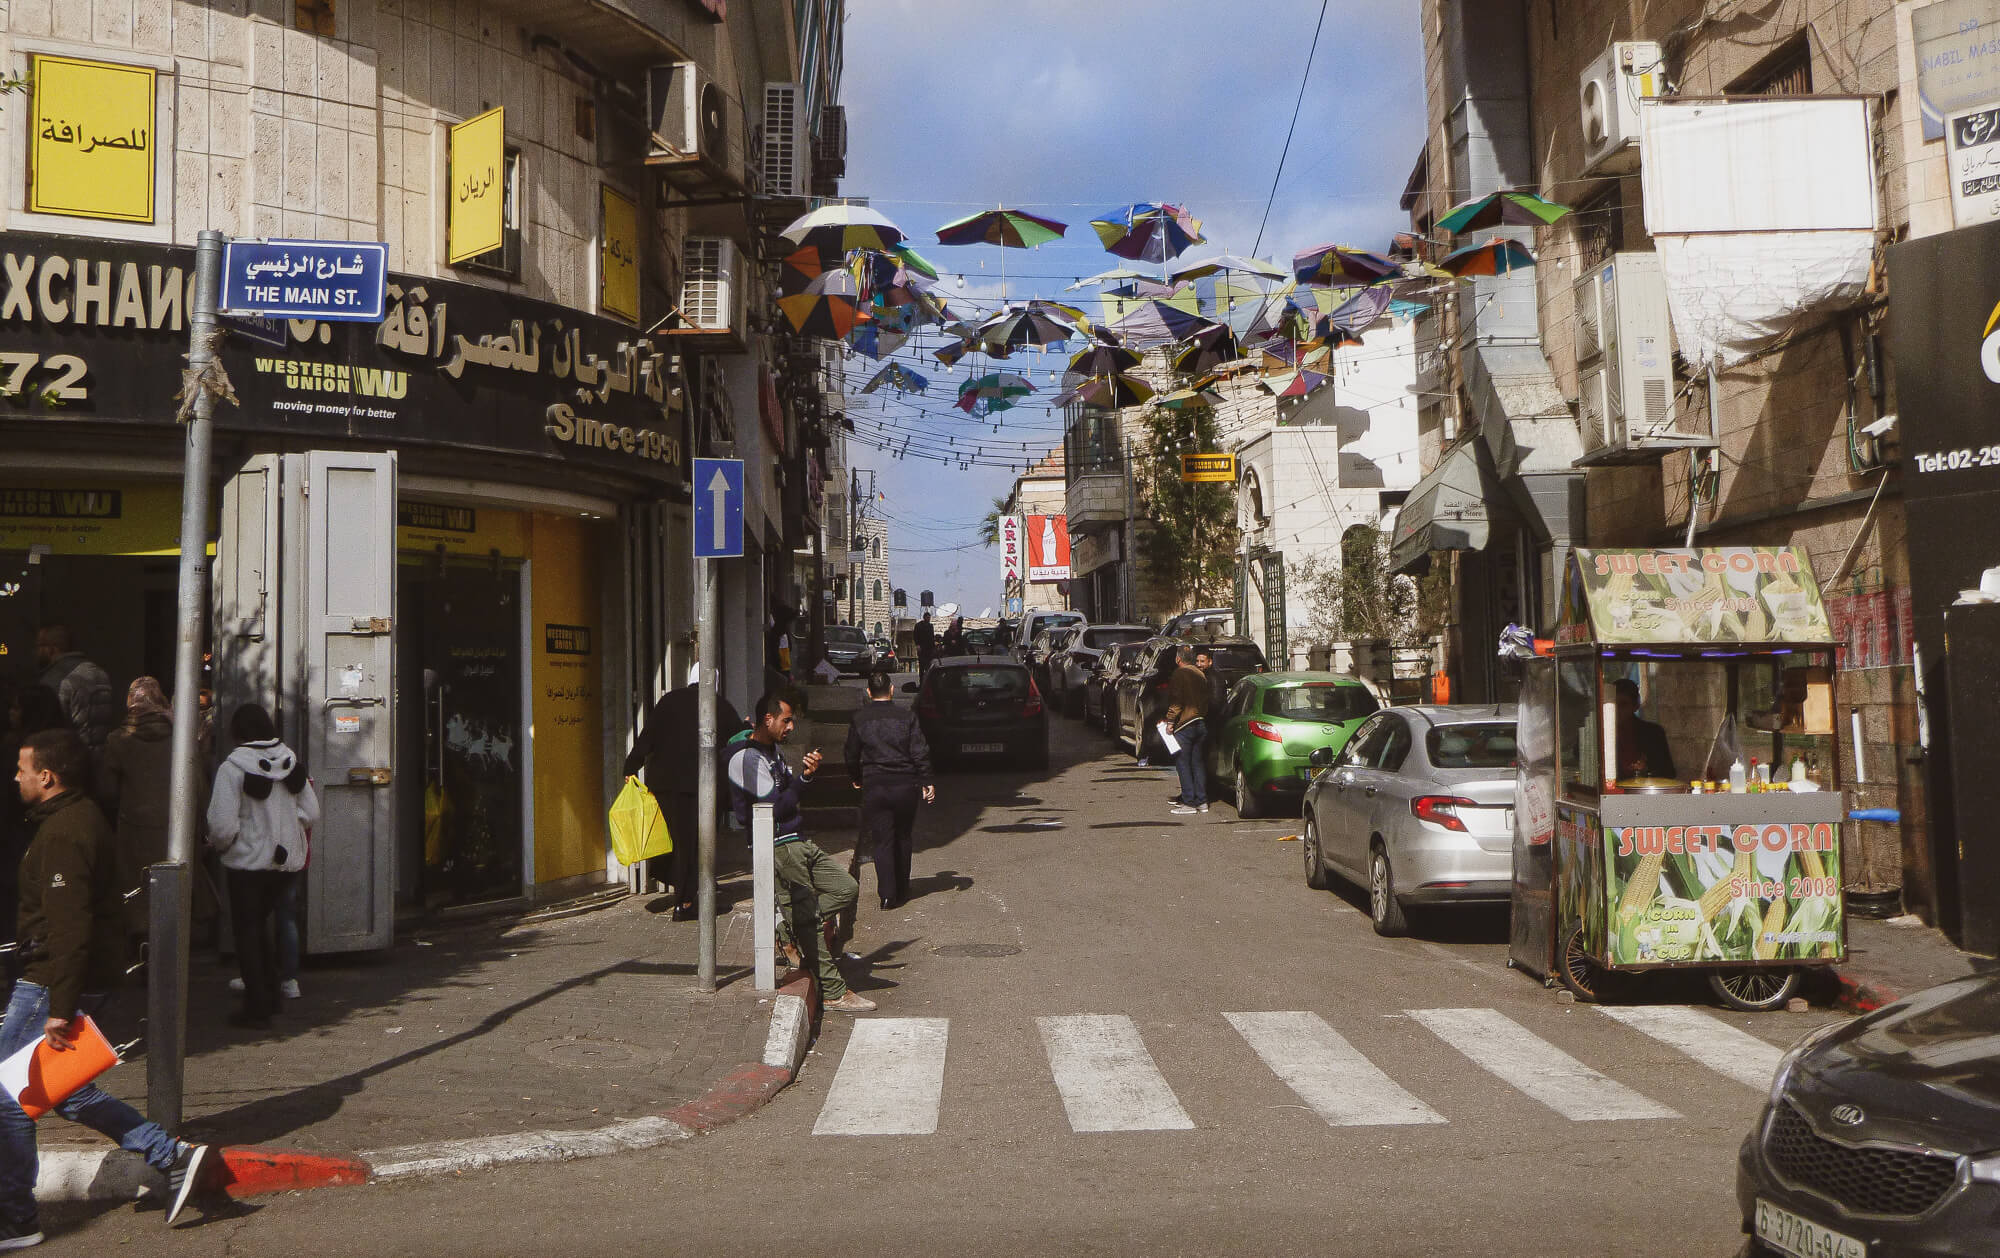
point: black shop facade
(443, 554)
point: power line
(1283, 153)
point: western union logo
(61, 504)
(1199, 468)
(336, 378)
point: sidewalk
(1887, 960)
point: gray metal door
(249, 662)
(341, 507)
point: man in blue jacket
(813, 889)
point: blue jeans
(1188, 761)
(27, 1016)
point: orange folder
(40, 1078)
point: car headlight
(1810, 1040)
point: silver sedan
(1418, 808)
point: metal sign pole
(167, 965)
(763, 894)
(708, 643)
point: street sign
(340, 281)
(1202, 468)
(718, 508)
(259, 328)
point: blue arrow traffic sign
(718, 508)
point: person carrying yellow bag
(638, 830)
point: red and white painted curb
(112, 1175)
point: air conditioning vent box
(1608, 94)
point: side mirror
(1321, 758)
(910, 687)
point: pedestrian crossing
(891, 1077)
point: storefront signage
(94, 331)
(88, 519)
(1776, 892)
(1048, 547)
(1206, 468)
(1729, 594)
(91, 139)
(332, 280)
(1010, 548)
(566, 639)
(618, 255)
(477, 194)
(1958, 58)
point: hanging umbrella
(904, 380)
(1016, 229)
(1227, 263)
(1142, 290)
(1100, 359)
(1339, 265)
(1355, 315)
(1117, 274)
(1493, 257)
(1016, 326)
(1059, 310)
(1156, 323)
(991, 393)
(829, 306)
(1186, 399)
(950, 354)
(1148, 231)
(914, 261)
(1208, 347)
(1108, 392)
(836, 229)
(1501, 209)
(875, 341)
(1295, 383)
(798, 269)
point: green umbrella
(1016, 229)
(1501, 209)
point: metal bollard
(763, 893)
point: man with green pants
(813, 889)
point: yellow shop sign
(91, 139)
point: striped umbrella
(1501, 209)
(1156, 323)
(992, 393)
(1016, 229)
(1493, 257)
(835, 230)
(1338, 265)
(1108, 392)
(1148, 231)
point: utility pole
(169, 882)
(707, 643)
(1127, 591)
(853, 544)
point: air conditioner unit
(787, 154)
(714, 291)
(686, 114)
(1626, 363)
(1610, 92)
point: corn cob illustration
(1723, 890)
(1815, 869)
(1643, 884)
(1774, 921)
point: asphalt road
(1054, 1070)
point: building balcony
(1096, 500)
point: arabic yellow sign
(1205, 468)
(618, 255)
(91, 140)
(478, 178)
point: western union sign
(1199, 468)
(478, 171)
(91, 141)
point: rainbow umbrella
(1295, 383)
(1154, 323)
(902, 378)
(1227, 263)
(797, 269)
(1016, 229)
(992, 393)
(1492, 257)
(1187, 399)
(1501, 209)
(1016, 326)
(1101, 359)
(1208, 347)
(1148, 231)
(1338, 265)
(835, 230)
(1108, 392)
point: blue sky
(1069, 108)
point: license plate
(981, 749)
(1306, 775)
(1802, 1238)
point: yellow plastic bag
(637, 828)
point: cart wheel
(1754, 991)
(1574, 968)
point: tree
(989, 528)
(1361, 596)
(1191, 544)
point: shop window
(506, 260)
(1786, 72)
(1578, 733)
(875, 594)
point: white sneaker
(1182, 810)
(290, 987)
(1197, 808)
(235, 984)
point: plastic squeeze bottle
(1798, 772)
(1737, 777)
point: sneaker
(236, 985)
(1197, 808)
(290, 987)
(1182, 810)
(852, 1002)
(20, 1235)
(182, 1179)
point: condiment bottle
(1736, 778)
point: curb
(1860, 994)
(113, 1175)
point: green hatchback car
(1269, 727)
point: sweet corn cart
(1623, 862)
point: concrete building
(1041, 490)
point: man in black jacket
(891, 766)
(72, 941)
(667, 749)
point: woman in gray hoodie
(260, 819)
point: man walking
(667, 749)
(926, 637)
(72, 944)
(813, 889)
(1187, 717)
(83, 687)
(891, 766)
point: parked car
(1262, 738)
(885, 655)
(1141, 697)
(1418, 808)
(1034, 622)
(982, 706)
(983, 641)
(1046, 644)
(847, 649)
(1100, 689)
(1879, 1134)
(1233, 659)
(1202, 622)
(1070, 668)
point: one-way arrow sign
(718, 508)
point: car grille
(1861, 1180)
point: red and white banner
(1010, 547)
(1048, 548)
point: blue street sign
(718, 508)
(265, 331)
(337, 280)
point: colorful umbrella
(1355, 315)
(1116, 274)
(950, 354)
(1016, 326)
(1186, 399)
(1492, 257)
(1225, 263)
(875, 341)
(989, 394)
(1340, 265)
(1108, 392)
(914, 261)
(798, 269)
(816, 314)
(1016, 229)
(836, 229)
(1208, 347)
(1155, 323)
(1501, 209)
(904, 380)
(1295, 383)
(1100, 359)
(1148, 231)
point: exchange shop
(440, 554)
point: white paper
(14, 1070)
(1167, 739)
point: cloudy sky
(1069, 108)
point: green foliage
(989, 528)
(1191, 544)
(1360, 596)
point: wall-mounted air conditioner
(786, 164)
(1625, 360)
(714, 294)
(1609, 94)
(686, 113)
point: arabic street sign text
(91, 141)
(1199, 468)
(336, 280)
(476, 219)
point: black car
(847, 649)
(1881, 1137)
(1100, 689)
(1141, 696)
(981, 706)
(1233, 660)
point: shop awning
(1453, 508)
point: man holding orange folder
(72, 939)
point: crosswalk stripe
(890, 1081)
(1327, 1072)
(1714, 1043)
(1106, 1077)
(1517, 1056)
